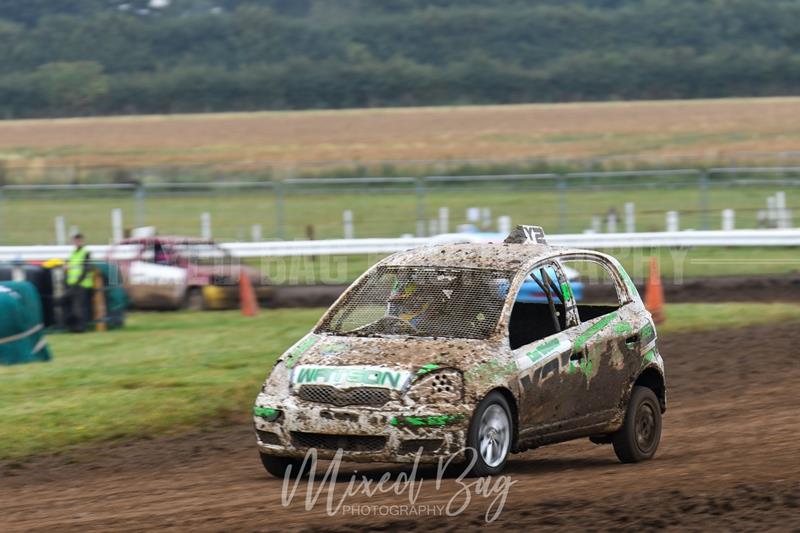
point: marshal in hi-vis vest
(75, 266)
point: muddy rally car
(430, 354)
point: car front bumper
(221, 297)
(364, 434)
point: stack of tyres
(116, 297)
(42, 279)
(21, 324)
(48, 276)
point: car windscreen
(421, 302)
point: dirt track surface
(772, 288)
(729, 460)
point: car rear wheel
(277, 466)
(490, 434)
(194, 299)
(638, 438)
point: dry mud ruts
(728, 461)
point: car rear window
(421, 302)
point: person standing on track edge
(80, 282)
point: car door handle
(633, 339)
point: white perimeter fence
(676, 239)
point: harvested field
(700, 129)
(728, 461)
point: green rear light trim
(426, 421)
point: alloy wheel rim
(494, 435)
(645, 427)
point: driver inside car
(408, 302)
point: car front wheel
(638, 438)
(194, 300)
(490, 434)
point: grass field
(699, 128)
(167, 373)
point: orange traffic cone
(654, 293)
(247, 296)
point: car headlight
(439, 386)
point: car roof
(493, 256)
(166, 240)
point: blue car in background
(531, 292)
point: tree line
(94, 57)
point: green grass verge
(163, 373)
(169, 372)
(682, 318)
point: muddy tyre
(194, 300)
(277, 466)
(490, 436)
(637, 440)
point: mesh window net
(454, 303)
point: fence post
(116, 225)
(205, 225)
(611, 221)
(728, 220)
(772, 212)
(444, 220)
(419, 187)
(704, 215)
(347, 219)
(139, 205)
(279, 230)
(780, 207)
(630, 217)
(562, 204)
(673, 223)
(255, 233)
(61, 231)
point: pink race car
(182, 272)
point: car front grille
(374, 397)
(353, 443)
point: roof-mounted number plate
(523, 234)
